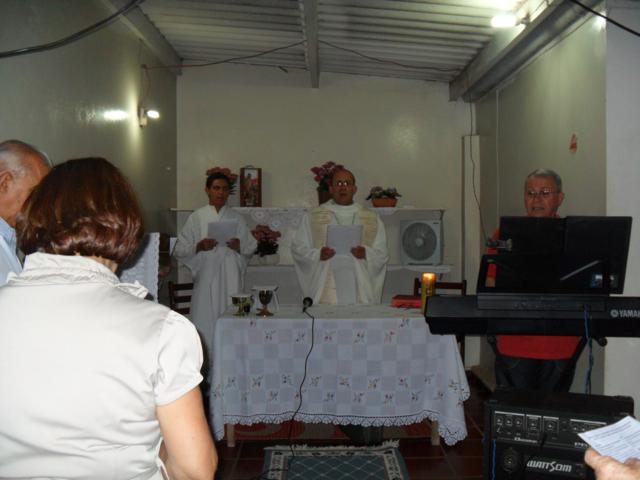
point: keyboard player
(544, 363)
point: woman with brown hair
(93, 376)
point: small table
(371, 365)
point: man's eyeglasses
(544, 193)
(343, 183)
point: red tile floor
(461, 461)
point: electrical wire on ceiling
(267, 52)
(73, 37)
(390, 62)
(227, 60)
(607, 18)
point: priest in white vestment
(217, 268)
(324, 276)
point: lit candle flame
(428, 287)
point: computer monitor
(572, 255)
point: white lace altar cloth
(143, 268)
(370, 365)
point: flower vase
(384, 202)
(273, 259)
(323, 196)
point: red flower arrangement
(267, 240)
(323, 174)
(233, 178)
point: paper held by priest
(342, 238)
(222, 231)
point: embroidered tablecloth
(370, 365)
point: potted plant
(267, 248)
(233, 178)
(322, 176)
(383, 197)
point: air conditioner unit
(421, 242)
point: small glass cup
(243, 301)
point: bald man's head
(343, 187)
(22, 166)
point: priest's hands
(234, 244)
(326, 253)
(359, 252)
(606, 468)
(206, 244)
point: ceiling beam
(310, 31)
(511, 49)
(148, 33)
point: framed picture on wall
(250, 187)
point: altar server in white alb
(356, 277)
(217, 268)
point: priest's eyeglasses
(544, 193)
(342, 183)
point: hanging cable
(73, 37)
(337, 47)
(264, 475)
(589, 342)
(227, 60)
(473, 173)
(607, 18)
(390, 62)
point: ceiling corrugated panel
(427, 40)
(214, 31)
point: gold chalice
(265, 297)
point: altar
(370, 365)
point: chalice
(265, 297)
(243, 302)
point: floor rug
(320, 431)
(383, 462)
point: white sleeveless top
(84, 361)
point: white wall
(55, 99)
(623, 175)
(528, 123)
(389, 132)
(557, 95)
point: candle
(428, 287)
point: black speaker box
(532, 435)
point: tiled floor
(463, 460)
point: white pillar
(471, 233)
(622, 355)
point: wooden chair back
(180, 297)
(443, 287)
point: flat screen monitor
(572, 255)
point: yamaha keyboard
(524, 314)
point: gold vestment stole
(319, 219)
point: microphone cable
(307, 302)
(589, 340)
(304, 377)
